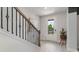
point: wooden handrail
(27, 19)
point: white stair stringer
(12, 43)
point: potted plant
(63, 36)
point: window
(50, 26)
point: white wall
(10, 43)
(60, 22)
(72, 31)
(33, 18)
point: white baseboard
(50, 41)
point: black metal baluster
(7, 18)
(16, 22)
(22, 27)
(19, 25)
(2, 17)
(25, 29)
(38, 38)
(12, 21)
(33, 32)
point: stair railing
(15, 22)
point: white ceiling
(41, 11)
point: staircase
(14, 24)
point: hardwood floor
(50, 46)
